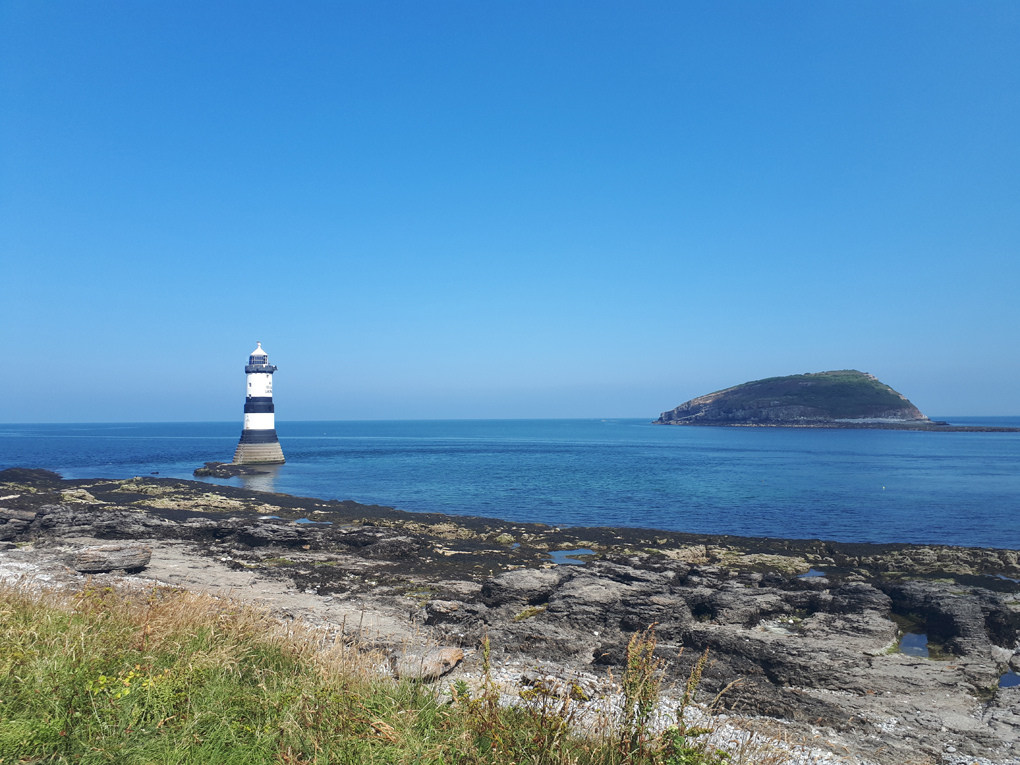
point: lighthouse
(259, 443)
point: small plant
(687, 744)
(640, 684)
(529, 612)
(459, 692)
(687, 748)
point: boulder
(426, 664)
(96, 560)
(437, 611)
(856, 597)
(11, 529)
(290, 535)
(82, 520)
(525, 585)
(589, 601)
(7, 514)
(393, 548)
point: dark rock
(12, 529)
(29, 476)
(456, 619)
(66, 519)
(362, 537)
(126, 525)
(526, 585)
(589, 602)
(857, 597)
(394, 548)
(16, 515)
(290, 535)
(758, 693)
(542, 637)
(439, 611)
(225, 470)
(956, 622)
(98, 521)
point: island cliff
(844, 397)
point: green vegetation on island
(843, 396)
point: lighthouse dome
(258, 356)
(259, 362)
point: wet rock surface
(226, 470)
(819, 651)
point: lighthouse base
(258, 447)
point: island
(844, 398)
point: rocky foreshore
(810, 629)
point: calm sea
(847, 485)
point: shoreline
(914, 558)
(809, 627)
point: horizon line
(404, 419)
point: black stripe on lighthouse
(259, 405)
(259, 436)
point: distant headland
(843, 398)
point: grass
(169, 676)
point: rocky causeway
(806, 632)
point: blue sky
(527, 209)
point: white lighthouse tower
(259, 443)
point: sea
(840, 485)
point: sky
(503, 209)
